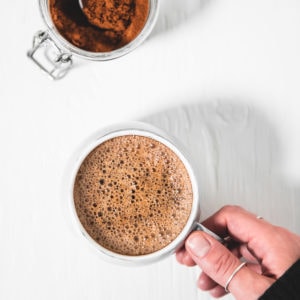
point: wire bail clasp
(49, 57)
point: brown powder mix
(100, 25)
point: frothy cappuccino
(133, 195)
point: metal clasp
(49, 57)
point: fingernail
(198, 245)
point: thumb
(219, 264)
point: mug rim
(63, 43)
(146, 130)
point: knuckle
(228, 209)
(224, 265)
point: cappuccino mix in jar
(91, 29)
(133, 195)
(99, 25)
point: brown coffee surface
(133, 195)
(100, 25)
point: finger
(255, 268)
(244, 252)
(217, 292)
(188, 260)
(212, 257)
(183, 257)
(238, 223)
(244, 227)
(219, 264)
(205, 283)
(179, 255)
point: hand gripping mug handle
(199, 226)
(49, 57)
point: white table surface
(221, 75)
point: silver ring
(259, 217)
(232, 275)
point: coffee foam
(133, 195)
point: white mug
(146, 130)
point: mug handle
(49, 57)
(199, 226)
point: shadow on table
(237, 155)
(175, 12)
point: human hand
(269, 251)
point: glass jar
(53, 53)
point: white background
(222, 75)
